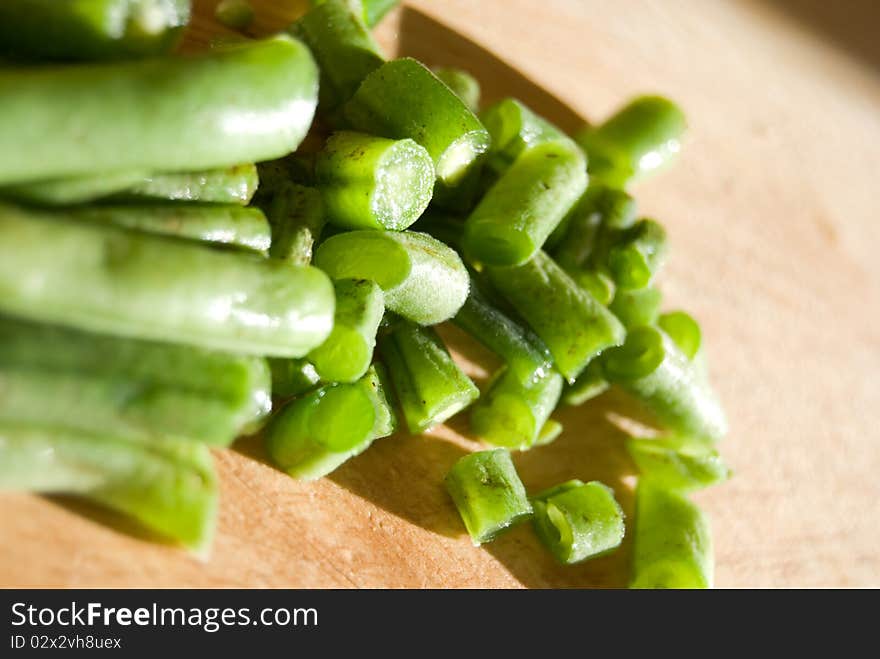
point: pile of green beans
(262, 238)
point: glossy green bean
(372, 182)
(168, 486)
(518, 213)
(573, 325)
(678, 463)
(119, 281)
(90, 29)
(405, 264)
(403, 99)
(488, 493)
(430, 386)
(242, 103)
(672, 546)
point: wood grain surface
(772, 216)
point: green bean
(653, 369)
(515, 128)
(312, 435)
(376, 382)
(74, 190)
(91, 29)
(488, 494)
(678, 463)
(235, 14)
(598, 284)
(684, 330)
(292, 377)
(578, 521)
(637, 140)
(214, 223)
(581, 233)
(672, 545)
(168, 486)
(242, 103)
(429, 384)
(637, 307)
(374, 183)
(375, 10)
(296, 215)
(573, 325)
(588, 385)
(403, 99)
(230, 185)
(463, 84)
(512, 414)
(343, 48)
(522, 208)
(345, 355)
(445, 227)
(550, 432)
(405, 264)
(96, 384)
(637, 254)
(119, 281)
(526, 356)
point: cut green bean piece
(230, 185)
(296, 215)
(581, 234)
(312, 435)
(405, 264)
(168, 486)
(573, 325)
(463, 84)
(578, 521)
(596, 283)
(372, 182)
(637, 254)
(550, 432)
(588, 385)
(292, 377)
(119, 281)
(101, 384)
(637, 307)
(91, 29)
(511, 414)
(651, 367)
(522, 208)
(376, 383)
(235, 14)
(214, 223)
(244, 103)
(488, 493)
(678, 463)
(429, 384)
(639, 139)
(345, 355)
(403, 99)
(684, 330)
(343, 48)
(672, 545)
(74, 190)
(375, 10)
(515, 128)
(526, 356)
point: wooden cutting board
(774, 230)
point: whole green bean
(90, 29)
(242, 103)
(296, 215)
(403, 99)
(168, 486)
(101, 384)
(292, 377)
(522, 208)
(372, 182)
(526, 356)
(406, 264)
(463, 84)
(213, 223)
(637, 140)
(346, 354)
(637, 307)
(512, 414)
(678, 463)
(488, 493)
(429, 384)
(672, 545)
(651, 367)
(124, 282)
(515, 128)
(343, 48)
(573, 325)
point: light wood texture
(772, 216)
